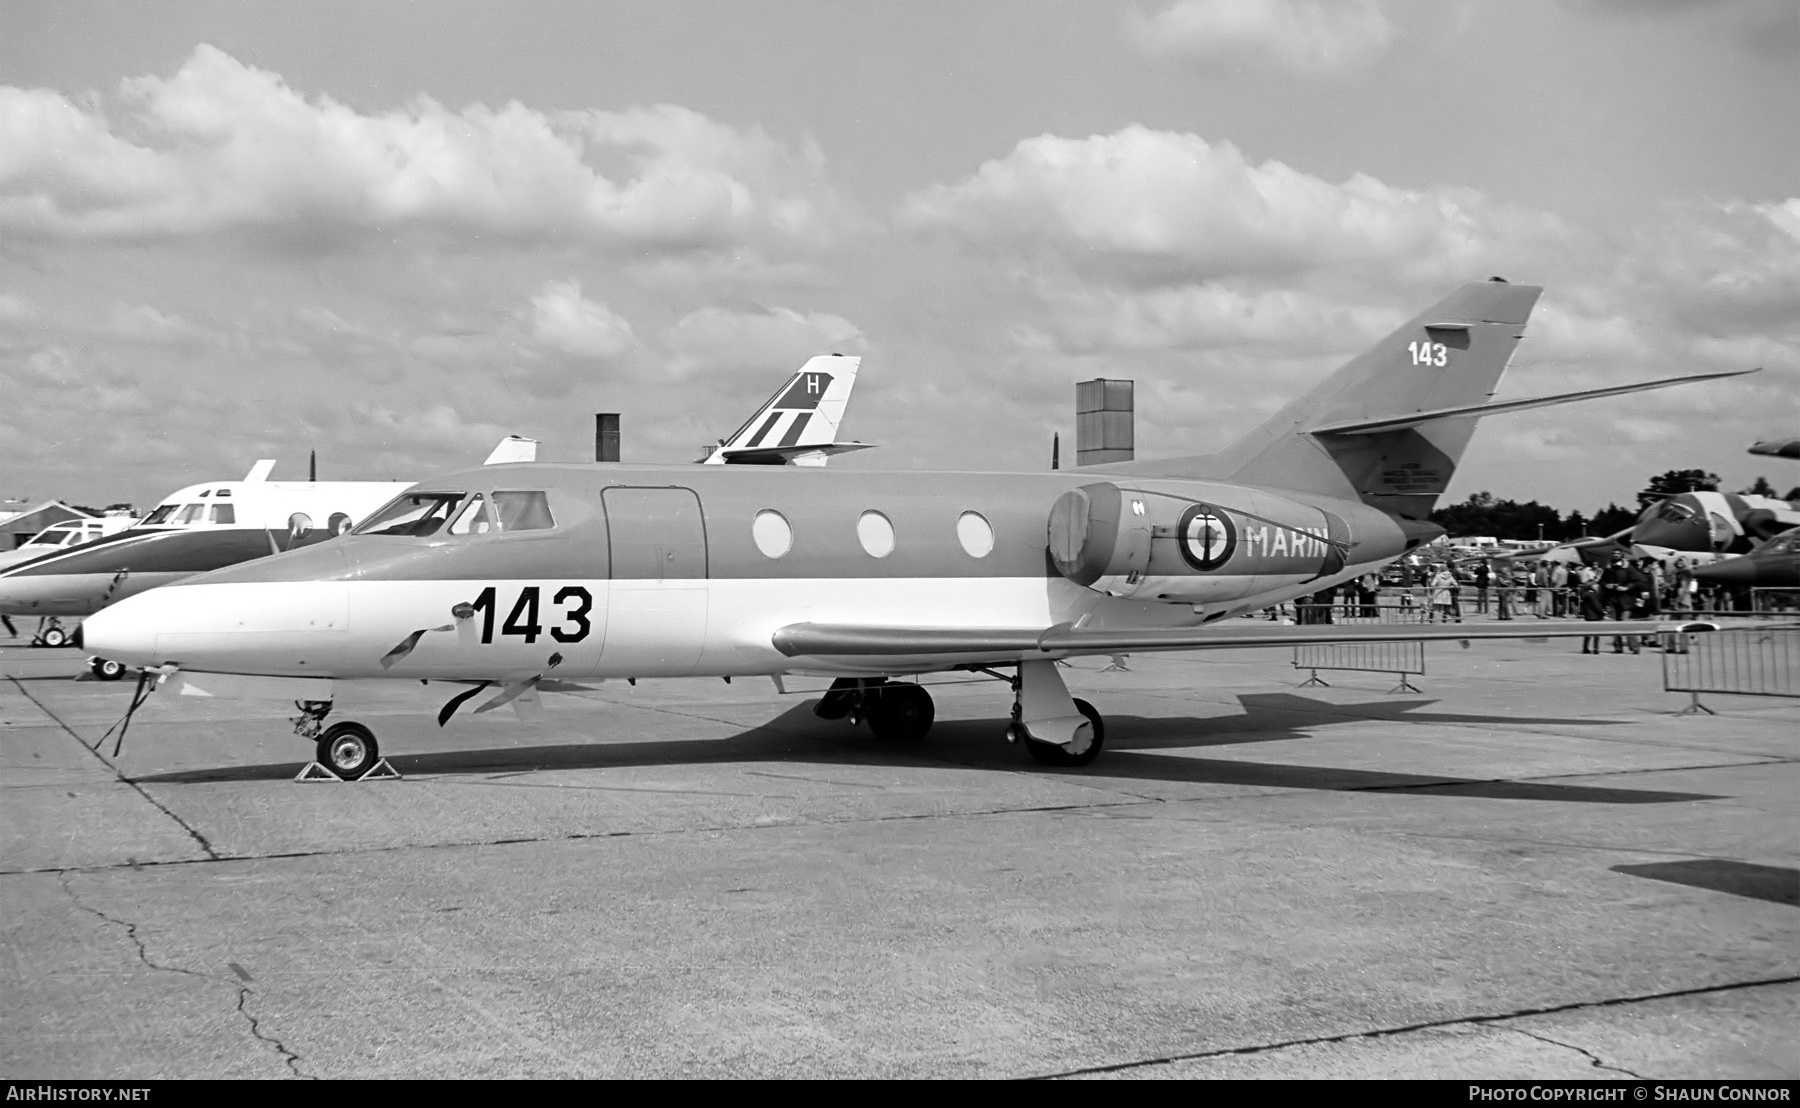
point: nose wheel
(348, 750)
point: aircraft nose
(125, 632)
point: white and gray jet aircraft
(514, 578)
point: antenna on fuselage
(312, 465)
(1056, 450)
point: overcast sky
(396, 232)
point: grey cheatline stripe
(763, 431)
(793, 435)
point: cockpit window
(473, 519)
(413, 513)
(160, 515)
(55, 536)
(523, 511)
(1672, 512)
(190, 513)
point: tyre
(106, 669)
(1056, 754)
(56, 636)
(900, 712)
(348, 750)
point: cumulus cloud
(142, 323)
(1167, 207)
(224, 145)
(562, 319)
(1306, 37)
(1213, 316)
(757, 339)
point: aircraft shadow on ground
(1776, 884)
(1133, 744)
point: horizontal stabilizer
(1475, 411)
(841, 640)
(788, 455)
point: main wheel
(106, 669)
(348, 750)
(1060, 754)
(900, 712)
(55, 636)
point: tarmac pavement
(1532, 868)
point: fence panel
(1398, 658)
(1749, 662)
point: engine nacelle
(1097, 531)
(1174, 543)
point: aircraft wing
(856, 640)
(1414, 419)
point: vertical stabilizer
(1449, 356)
(798, 424)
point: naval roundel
(1207, 537)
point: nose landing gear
(348, 750)
(345, 751)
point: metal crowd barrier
(1756, 661)
(1402, 659)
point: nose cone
(126, 632)
(255, 627)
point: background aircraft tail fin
(799, 423)
(1444, 361)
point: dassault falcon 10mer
(513, 578)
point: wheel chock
(380, 771)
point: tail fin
(1450, 356)
(799, 423)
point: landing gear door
(657, 599)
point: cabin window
(772, 534)
(876, 533)
(224, 513)
(975, 534)
(416, 514)
(473, 519)
(523, 511)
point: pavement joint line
(1428, 1025)
(123, 780)
(1135, 800)
(1593, 1059)
(584, 836)
(242, 988)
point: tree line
(1485, 514)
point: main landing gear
(50, 632)
(346, 750)
(1057, 729)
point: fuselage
(1725, 523)
(200, 528)
(592, 571)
